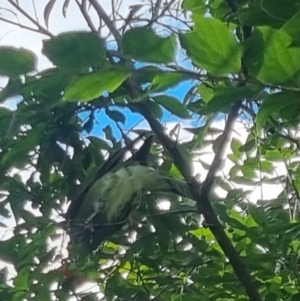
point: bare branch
(156, 8)
(109, 23)
(162, 12)
(41, 29)
(219, 156)
(22, 26)
(86, 16)
(201, 195)
(35, 12)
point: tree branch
(201, 195)
(168, 6)
(109, 23)
(86, 16)
(25, 14)
(21, 26)
(220, 153)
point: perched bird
(104, 203)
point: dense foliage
(238, 60)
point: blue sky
(17, 37)
(136, 120)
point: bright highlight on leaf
(91, 86)
(173, 105)
(276, 103)
(165, 81)
(272, 57)
(212, 46)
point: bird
(105, 201)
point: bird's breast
(118, 188)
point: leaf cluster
(71, 116)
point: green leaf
(99, 143)
(274, 103)
(14, 62)
(233, 158)
(18, 154)
(21, 282)
(266, 166)
(235, 147)
(90, 86)
(13, 88)
(146, 74)
(279, 155)
(65, 7)
(202, 43)
(165, 81)
(117, 116)
(254, 15)
(7, 122)
(271, 57)
(48, 84)
(109, 133)
(8, 251)
(224, 97)
(47, 11)
(192, 4)
(248, 146)
(248, 169)
(173, 105)
(143, 44)
(75, 50)
(258, 215)
(243, 181)
(155, 109)
(280, 9)
(295, 297)
(206, 92)
(291, 27)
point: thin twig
(25, 14)
(291, 181)
(140, 277)
(169, 212)
(156, 8)
(162, 13)
(113, 11)
(86, 16)
(109, 23)
(219, 156)
(35, 12)
(21, 25)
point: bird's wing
(90, 228)
(90, 225)
(111, 163)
